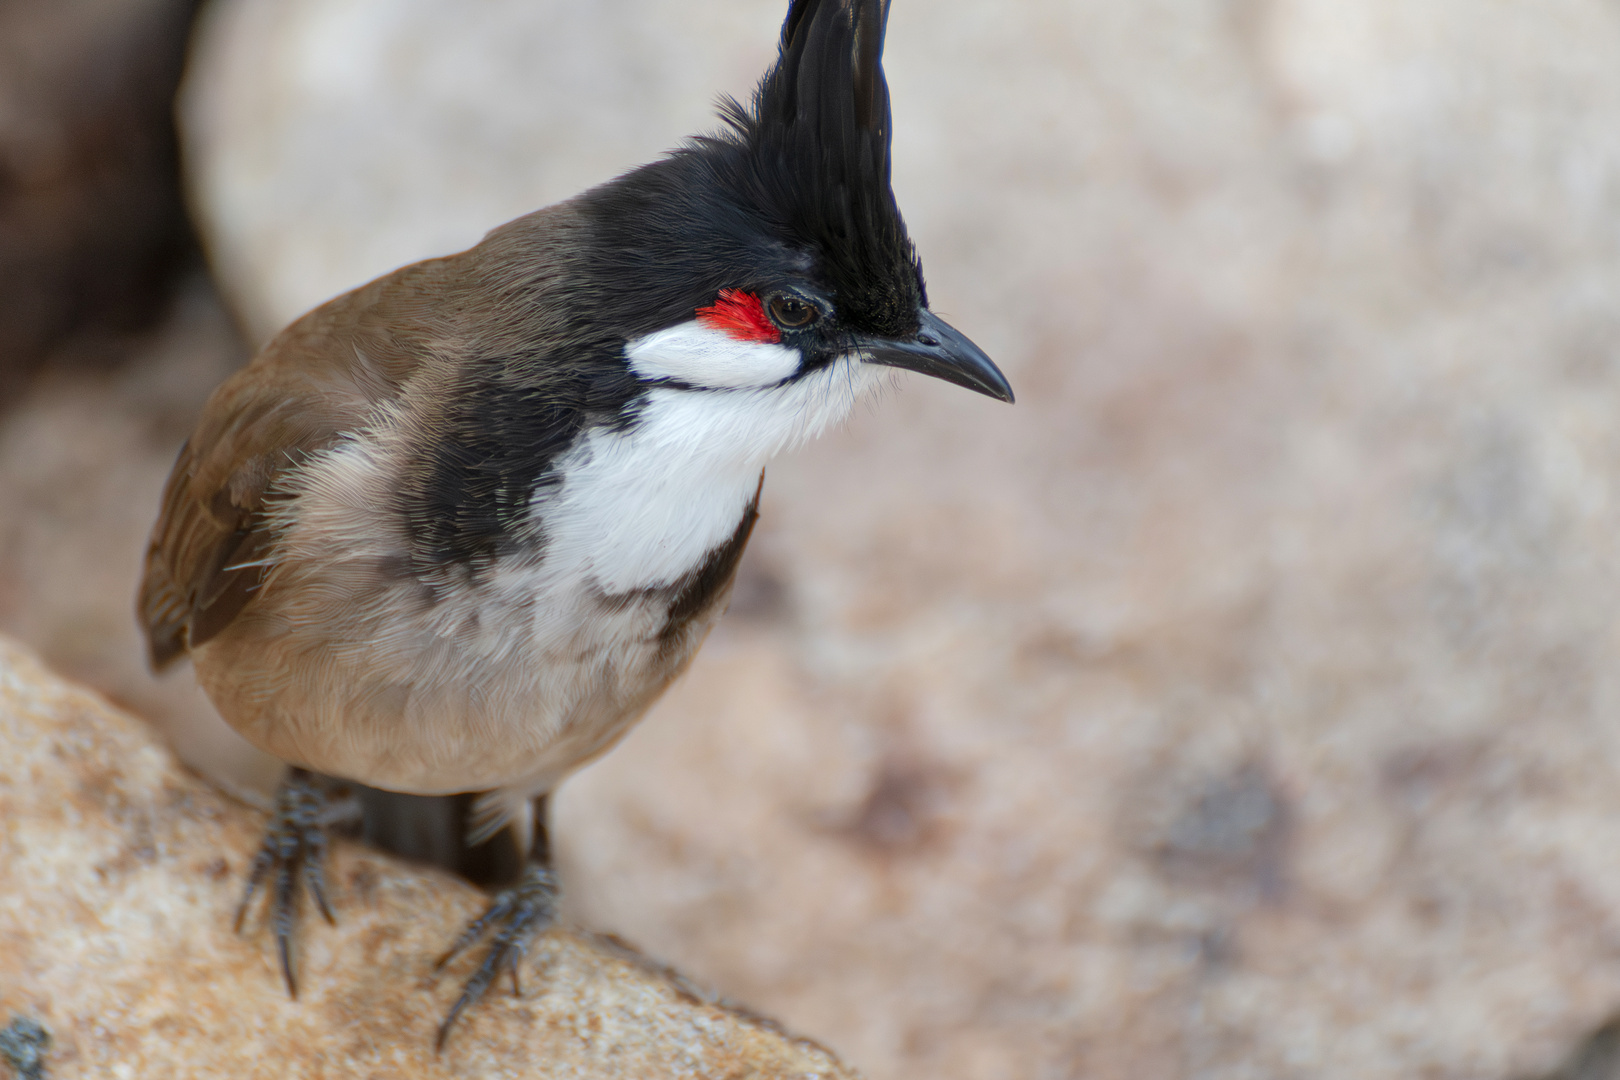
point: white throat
(641, 508)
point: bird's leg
(292, 857)
(517, 916)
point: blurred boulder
(396, 130)
(1243, 701)
(91, 219)
(84, 453)
(121, 873)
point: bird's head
(773, 250)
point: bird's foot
(517, 915)
(293, 853)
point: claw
(284, 951)
(293, 852)
(522, 912)
(497, 910)
(261, 866)
(315, 876)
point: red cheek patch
(741, 315)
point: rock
(122, 873)
(23, 1044)
(414, 98)
(1242, 702)
(84, 452)
(91, 221)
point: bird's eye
(791, 313)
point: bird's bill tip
(942, 351)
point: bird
(450, 535)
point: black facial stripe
(672, 384)
(698, 388)
(704, 585)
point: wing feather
(328, 375)
(318, 381)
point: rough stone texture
(1242, 702)
(122, 873)
(91, 222)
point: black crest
(802, 172)
(817, 142)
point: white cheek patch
(639, 508)
(708, 356)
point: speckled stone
(1245, 701)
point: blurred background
(1241, 703)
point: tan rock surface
(1243, 702)
(119, 874)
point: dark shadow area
(93, 227)
(1598, 1058)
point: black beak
(940, 350)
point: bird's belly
(510, 685)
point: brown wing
(321, 378)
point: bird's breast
(498, 672)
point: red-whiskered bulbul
(452, 533)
